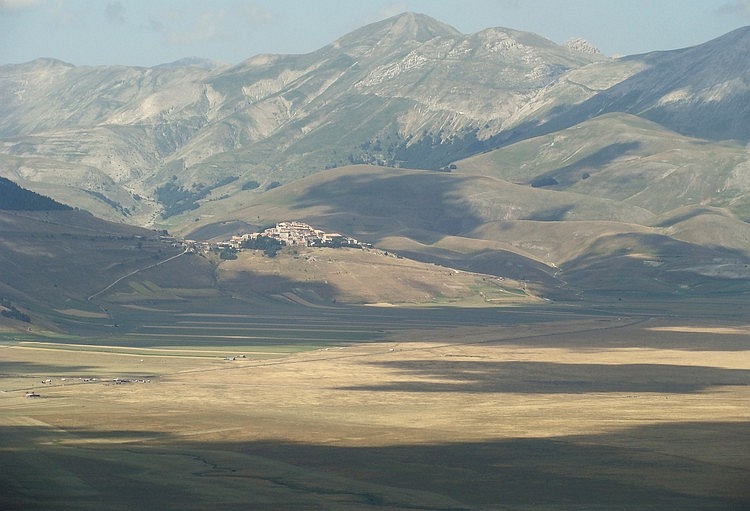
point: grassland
(563, 240)
(271, 384)
(380, 408)
(354, 276)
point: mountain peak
(407, 27)
(418, 27)
(46, 62)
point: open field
(380, 408)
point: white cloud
(115, 12)
(204, 28)
(17, 5)
(255, 14)
(735, 8)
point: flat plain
(291, 407)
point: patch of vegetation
(269, 246)
(109, 202)
(228, 254)
(10, 311)
(225, 181)
(272, 185)
(13, 197)
(177, 199)
(542, 181)
(428, 151)
(250, 185)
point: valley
(351, 379)
(412, 269)
(384, 407)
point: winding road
(134, 272)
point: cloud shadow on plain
(552, 378)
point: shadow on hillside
(693, 213)
(310, 292)
(550, 215)
(653, 264)
(567, 176)
(646, 468)
(553, 378)
(493, 262)
(222, 230)
(419, 203)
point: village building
(292, 233)
(298, 234)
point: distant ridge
(13, 197)
(198, 62)
(699, 91)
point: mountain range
(498, 152)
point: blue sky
(151, 32)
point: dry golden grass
(321, 275)
(610, 413)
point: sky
(152, 32)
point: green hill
(627, 159)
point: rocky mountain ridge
(387, 93)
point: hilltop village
(295, 233)
(271, 240)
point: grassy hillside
(54, 260)
(627, 159)
(372, 202)
(68, 271)
(329, 276)
(557, 238)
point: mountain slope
(408, 91)
(700, 91)
(560, 242)
(710, 82)
(625, 158)
(54, 260)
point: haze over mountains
(499, 152)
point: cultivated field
(288, 407)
